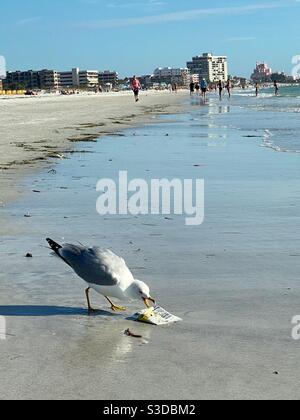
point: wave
(269, 141)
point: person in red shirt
(136, 86)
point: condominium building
(88, 78)
(108, 77)
(67, 79)
(49, 79)
(171, 75)
(22, 80)
(78, 78)
(212, 68)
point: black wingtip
(56, 247)
(53, 245)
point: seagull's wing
(95, 265)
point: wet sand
(34, 130)
(234, 280)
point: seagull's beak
(146, 301)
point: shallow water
(234, 280)
(277, 115)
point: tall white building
(212, 68)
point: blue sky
(135, 36)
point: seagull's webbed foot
(117, 308)
(114, 307)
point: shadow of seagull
(41, 311)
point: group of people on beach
(276, 88)
(196, 87)
(220, 86)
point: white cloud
(241, 39)
(133, 4)
(28, 21)
(182, 16)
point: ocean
(278, 117)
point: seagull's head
(140, 290)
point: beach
(234, 280)
(35, 130)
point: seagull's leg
(114, 307)
(90, 309)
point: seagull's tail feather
(56, 247)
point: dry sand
(36, 129)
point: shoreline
(36, 130)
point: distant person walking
(136, 86)
(192, 88)
(220, 87)
(276, 87)
(229, 87)
(197, 87)
(256, 89)
(203, 88)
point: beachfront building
(52, 79)
(145, 80)
(22, 80)
(108, 77)
(68, 79)
(77, 78)
(170, 75)
(212, 68)
(31, 79)
(48, 80)
(262, 73)
(88, 79)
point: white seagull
(104, 272)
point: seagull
(104, 272)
